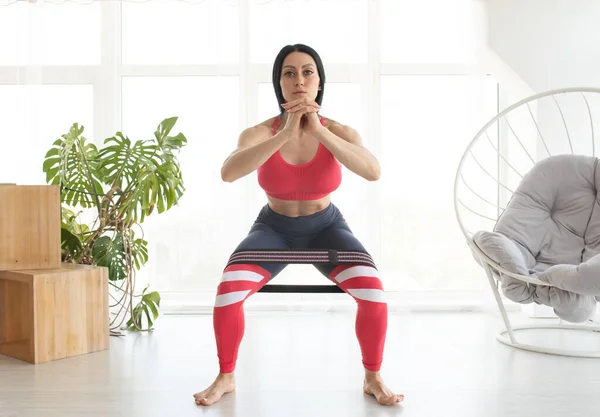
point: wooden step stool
(48, 310)
(29, 227)
(53, 314)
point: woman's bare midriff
(298, 208)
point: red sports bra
(310, 181)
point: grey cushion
(569, 306)
(551, 230)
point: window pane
(427, 30)
(190, 244)
(267, 102)
(38, 116)
(319, 24)
(346, 104)
(172, 33)
(50, 34)
(427, 124)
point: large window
(178, 33)
(399, 72)
(29, 129)
(427, 121)
(44, 35)
(428, 31)
(338, 29)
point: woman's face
(299, 77)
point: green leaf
(121, 161)
(148, 315)
(69, 222)
(147, 305)
(53, 151)
(136, 318)
(168, 144)
(72, 163)
(170, 197)
(111, 254)
(146, 200)
(164, 128)
(139, 250)
(153, 297)
(161, 199)
(152, 307)
(51, 175)
(70, 243)
(51, 161)
(148, 173)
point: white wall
(552, 44)
(549, 43)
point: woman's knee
(362, 282)
(238, 282)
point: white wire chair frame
(505, 148)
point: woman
(298, 156)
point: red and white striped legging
(240, 281)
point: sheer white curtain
(404, 73)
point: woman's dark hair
(278, 65)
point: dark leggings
(326, 229)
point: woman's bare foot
(374, 386)
(223, 384)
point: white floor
(308, 364)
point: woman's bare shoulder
(255, 134)
(346, 132)
(267, 123)
(261, 130)
(330, 123)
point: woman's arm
(254, 148)
(346, 145)
(255, 145)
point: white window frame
(107, 77)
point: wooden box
(53, 314)
(30, 218)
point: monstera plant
(116, 188)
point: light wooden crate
(53, 314)
(29, 227)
